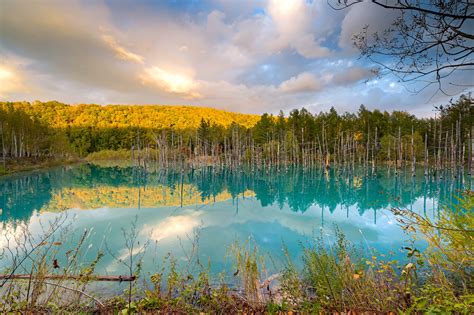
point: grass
(334, 277)
(111, 155)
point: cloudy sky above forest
(246, 56)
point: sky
(245, 56)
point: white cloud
(303, 82)
(307, 47)
(216, 25)
(351, 75)
(293, 22)
(364, 14)
(291, 17)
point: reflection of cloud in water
(268, 225)
(172, 226)
(290, 207)
(222, 215)
(10, 232)
(124, 252)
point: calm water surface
(267, 207)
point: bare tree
(427, 42)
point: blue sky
(247, 56)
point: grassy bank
(110, 155)
(332, 277)
(12, 166)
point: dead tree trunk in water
(469, 155)
(374, 155)
(367, 152)
(425, 160)
(412, 154)
(399, 156)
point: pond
(212, 208)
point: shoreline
(25, 166)
(32, 165)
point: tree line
(172, 135)
(27, 136)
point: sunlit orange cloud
(171, 82)
(121, 52)
(10, 81)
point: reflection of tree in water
(295, 188)
(21, 195)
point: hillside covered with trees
(177, 133)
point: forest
(178, 134)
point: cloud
(363, 14)
(258, 56)
(171, 82)
(63, 43)
(121, 52)
(291, 17)
(11, 82)
(307, 82)
(352, 75)
(216, 25)
(307, 47)
(303, 82)
(293, 23)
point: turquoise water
(266, 207)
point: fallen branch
(63, 277)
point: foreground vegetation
(331, 276)
(167, 134)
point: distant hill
(59, 115)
